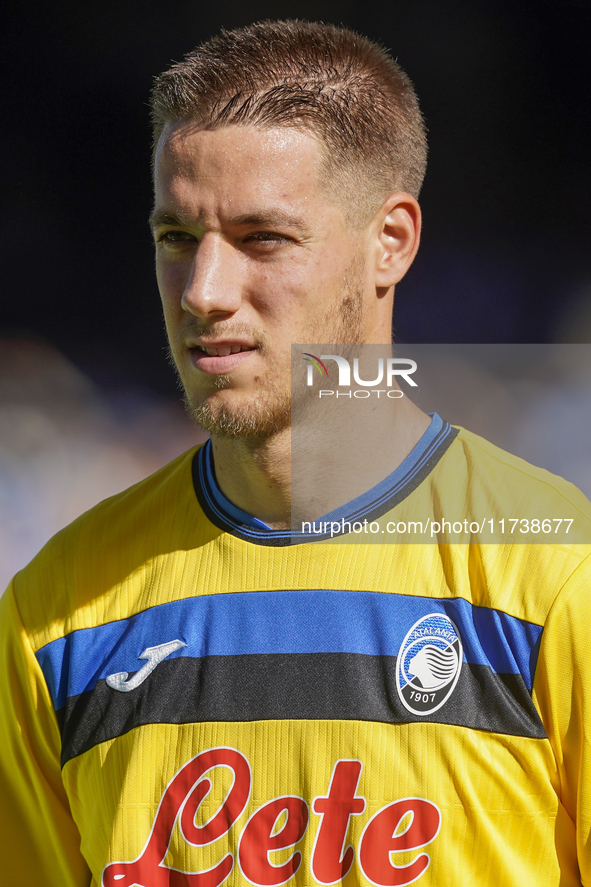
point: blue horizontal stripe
(369, 623)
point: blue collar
(369, 506)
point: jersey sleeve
(39, 841)
(562, 690)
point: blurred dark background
(504, 85)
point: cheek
(284, 290)
(171, 303)
(171, 284)
(172, 279)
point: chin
(254, 421)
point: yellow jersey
(191, 700)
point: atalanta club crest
(429, 664)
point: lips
(220, 358)
(224, 350)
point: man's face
(252, 256)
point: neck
(331, 462)
(256, 476)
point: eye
(266, 237)
(170, 237)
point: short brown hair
(341, 86)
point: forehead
(238, 164)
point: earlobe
(399, 229)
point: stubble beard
(268, 413)
(264, 414)
(257, 420)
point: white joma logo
(154, 655)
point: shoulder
(511, 481)
(101, 552)
(528, 531)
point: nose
(214, 285)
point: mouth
(220, 358)
(223, 350)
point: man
(189, 698)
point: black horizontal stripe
(318, 686)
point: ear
(398, 232)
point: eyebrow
(270, 218)
(264, 218)
(159, 217)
